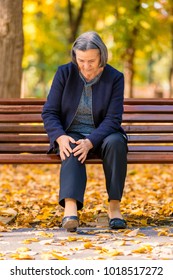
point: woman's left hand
(82, 148)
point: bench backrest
(148, 123)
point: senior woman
(83, 115)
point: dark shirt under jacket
(64, 97)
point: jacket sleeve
(51, 109)
(111, 123)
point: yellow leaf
(145, 24)
(72, 238)
(88, 245)
(30, 240)
(58, 257)
(144, 222)
(143, 249)
(44, 234)
(7, 215)
(21, 256)
(104, 250)
(52, 255)
(23, 249)
(163, 232)
(116, 253)
(98, 247)
(133, 232)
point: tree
(132, 31)
(50, 28)
(74, 22)
(11, 48)
(170, 13)
(137, 34)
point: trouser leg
(72, 178)
(114, 155)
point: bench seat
(147, 122)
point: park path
(146, 243)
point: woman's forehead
(87, 54)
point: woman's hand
(64, 146)
(82, 148)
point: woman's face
(88, 62)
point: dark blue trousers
(113, 152)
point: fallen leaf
(133, 232)
(143, 249)
(30, 240)
(88, 245)
(21, 256)
(23, 249)
(7, 215)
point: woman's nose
(86, 65)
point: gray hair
(87, 41)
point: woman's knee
(116, 141)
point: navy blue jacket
(64, 96)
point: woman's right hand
(64, 146)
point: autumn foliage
(29, 196)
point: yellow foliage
(88, 245)
(143, 249)
(163, 233)
(34, 197)
(58, 257)
(29, 241)
(21, 256)
(116, 253)
(53, 255)
(145, 24)
(23, 249)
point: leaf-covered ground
(31, 191)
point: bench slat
(148, 101)
(131, 129)
(38, 138)
(15, 109)
(147, 128)
(21, 118)
(22, 101)
(141, 118)
(22, 148)
(53, 159)
(150, 148)
(16, 138)
(16, 128)
(150, 138)
(31, 118)
(148, 109)
(18, 109)
(43, 148)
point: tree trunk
(129, 71)
(171, 67)
(11, 48)
(130, 55)
(74, 21)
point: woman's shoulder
(68, 67)
(112, 70)
(65, 70)
(112, 74)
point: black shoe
(117, 223)
(70, 223)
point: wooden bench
(148, 123)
